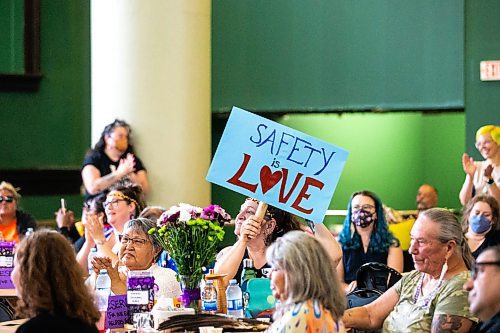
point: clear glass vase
(191, 294)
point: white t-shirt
(165, 279)
(480, 182)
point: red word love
(269, 179)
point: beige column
(151, 68)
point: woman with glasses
(123, 203)
(13, 222)
(365, 238)
(430, 298)
(138, 251)
(255, 235)
(112, 160)
(483, 177)
(480, 223)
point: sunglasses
(477, 265)
(6, 199)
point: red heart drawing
(268, 178)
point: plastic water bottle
(29, 231)
(103, 289)
(247, 273)
(234, 298)
(92, 254)
(209, 298)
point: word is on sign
(276, 164)
(490, 70)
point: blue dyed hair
(381, 238)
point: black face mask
(362, 218)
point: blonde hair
(308, 272)
(492, 130)
(8, 187)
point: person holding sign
(51, 292)
(256, 234)
(365, 238)
(296, 259)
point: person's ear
(451, 246)
(269, 226)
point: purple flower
(215, 213)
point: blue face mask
(479, 223)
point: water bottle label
(209, 305)
(139, 297)
(234, 304)
(102, 299)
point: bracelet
(101, 242)
(490, 181)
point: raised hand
(468, 165)
(65, 218)
(488, 171)
(251, 228)
(94, 228)
(127, 165)
(99, 263)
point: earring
(131, 216)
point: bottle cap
(103, 271)
(209, 282)
(233, 281)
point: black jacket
(25, 221)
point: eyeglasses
(6, 199)
(136, 241)
(477, 265)
(112, 203)
(483, 143)
(364, 207)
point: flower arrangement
(190, 235)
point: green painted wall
(50, 128)
(11, 38)
(391, 154)
(482, 99)
(294, 55)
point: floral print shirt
(309, 316)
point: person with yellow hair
(483, 177)
(14, 223)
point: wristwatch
(491, 181)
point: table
(10, 326)
(8, 293)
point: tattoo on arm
(449, 324)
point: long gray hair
(308, 272)
(450, 229)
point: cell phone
(63, 205)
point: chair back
(376, 276)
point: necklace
(430, 296)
